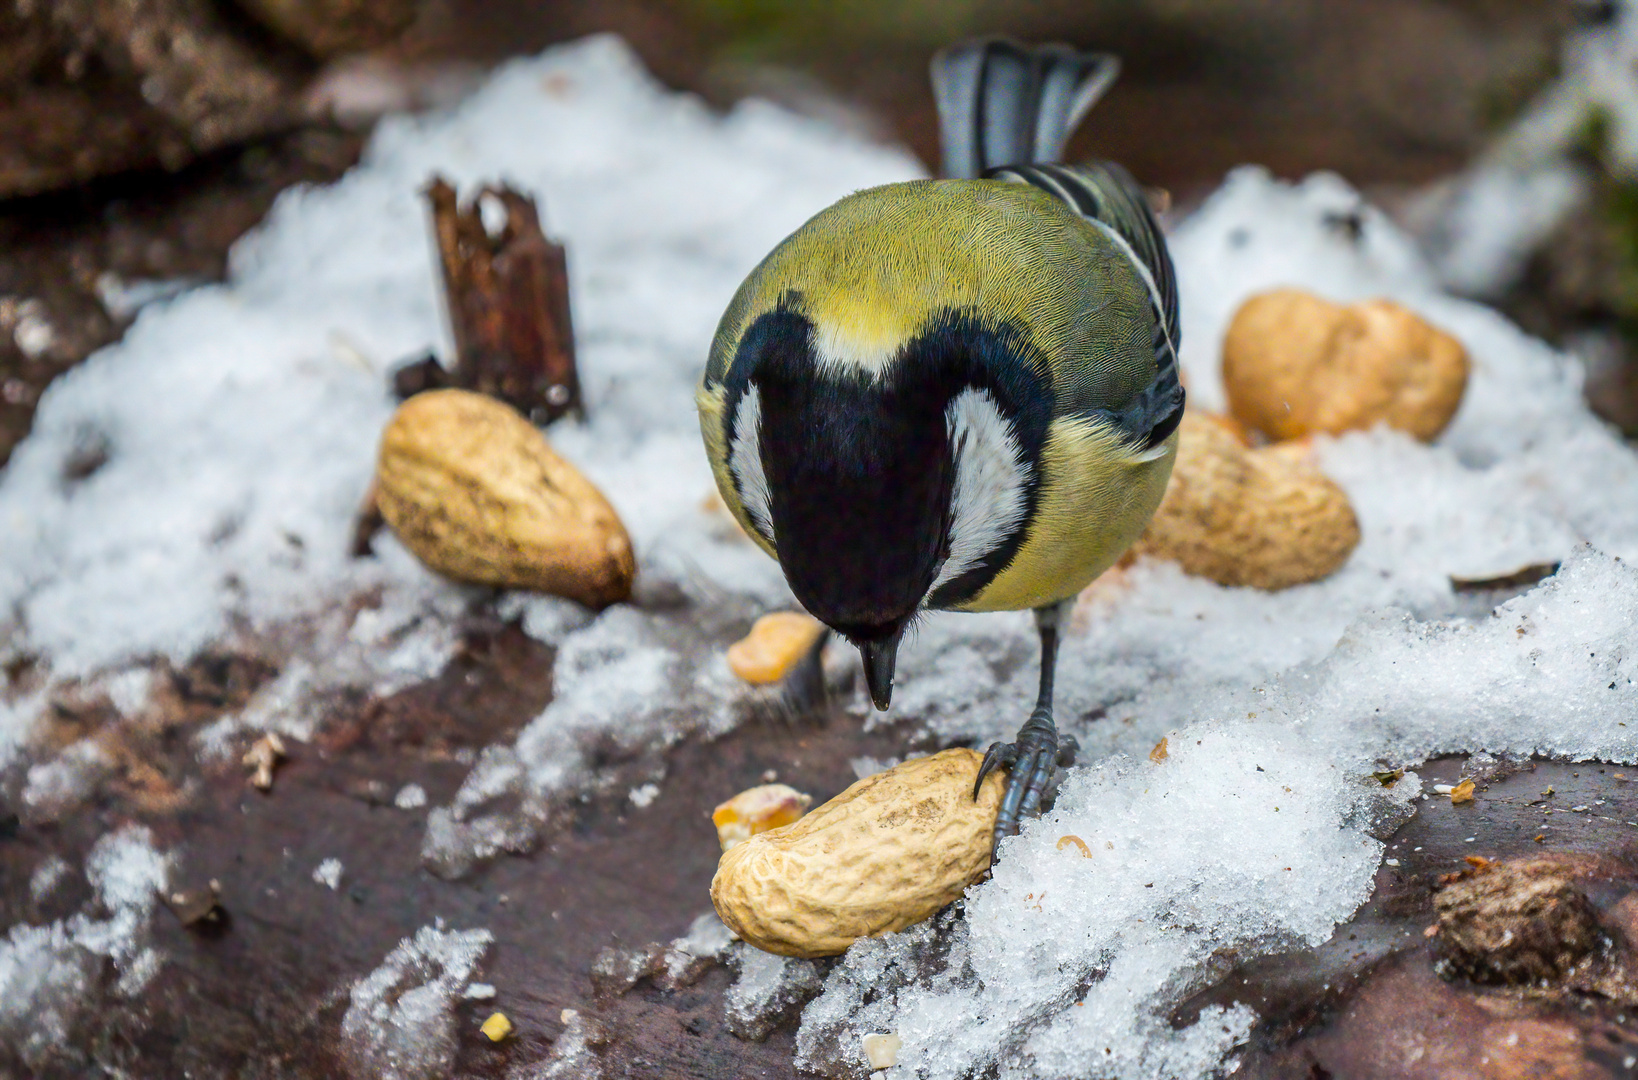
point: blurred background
(140, 138)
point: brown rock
(477, 494)
(90, 87)
(1518, 923)
(326, 28)
(1295, 364)
(1265, 517)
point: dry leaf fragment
(1074, 841)
(265, 753)
(1462, 793)
(200, 908)
(1160, 752)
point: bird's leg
(1030, 759)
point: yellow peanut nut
(497, 1027)
(1297, 364)
(1239, 515)
(756, 810)
(475, 491)
(774, 645)
(886, 853)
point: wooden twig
(507, 294)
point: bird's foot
(1030, 762)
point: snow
(54, 787)
(573, 1055)
(328, 874)
(240, 420)
(706, 937)
(769, 988)
(46, 877)
(400, 1021)
(51, 975)
(410, 797)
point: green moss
(1616, 205)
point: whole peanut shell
(1295, 364)
(1265, 517)
(473, 489)
(885, 854)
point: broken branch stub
(507, 294)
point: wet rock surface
(1496, 943)
(259, 987)
(260, 955)
(98, 87)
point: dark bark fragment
(508, 299)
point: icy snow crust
(50, 975)
(239, 424)
(399, 1023)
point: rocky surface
(262, 983)
(1383, 999)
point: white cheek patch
(745, 461)
(987, 503)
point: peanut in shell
(885, 854)
(1296, 364)
(1238, 515)
(475, 491)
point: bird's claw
(1000, 754)
(1030, 762)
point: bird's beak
(879, 657)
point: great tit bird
(958, 394)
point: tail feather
(1002, 103)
